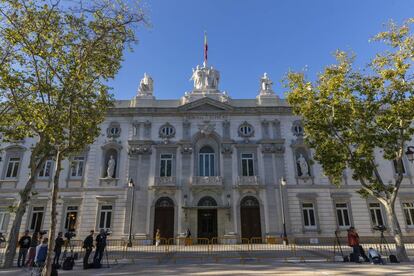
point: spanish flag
(205, 48)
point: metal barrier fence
(220, 248)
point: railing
(228, 247)
(248, 180)
(207, 180)
(165, 181)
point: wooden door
(207, 223)
(164, 218)
(250, 218)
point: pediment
(206, 104)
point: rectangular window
(45, 172)
(77, 167)
(71, 218)
(247, 164)
(376, 214)
(394, 162)
(166, 165)
(37, 219)
(342, 214)
(206, 164)
(408, 208)
(309, 220)
(105, 217)
(3, 217)
(13, 167)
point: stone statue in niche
(111, 167)
(303, 167)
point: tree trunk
(37, 158)
(53, 220)
(14, 231)
(396, 232)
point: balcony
(252, 181)
(165, 181)
(207, 181)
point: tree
(351, 115)
(53, 83)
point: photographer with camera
(100, 247)
(88, 246)
(58, 248)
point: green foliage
(56, 60)
(350, 115)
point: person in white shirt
(374, 256)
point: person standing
(32, 250)
(157, 238)
(353, 241)
(41, 253)
(100, 247)
(188, 237)
(2, 239)
(58, 248)
(24, 244)
(88, 246)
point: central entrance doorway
(164, 218)
(250, 218)
(207, 218)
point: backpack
(68, 263)
(393, 259)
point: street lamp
(410, 153)
(132, 186)
(283, 184)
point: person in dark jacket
(24, 244)
(353, 241)
(87, 245)
(32, 250)
(100, 246)
(58, 248)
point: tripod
(337, 245)
(69, 245)
(383, 243)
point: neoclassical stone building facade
(205, 162)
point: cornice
(175, 111)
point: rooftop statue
(205, 78)
(266, 85)
(146, 86)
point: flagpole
(205, 49)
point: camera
(108, 232)
(381, 228)
(70, 234)
(42, 232)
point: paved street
(233, 267)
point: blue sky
(249, 37)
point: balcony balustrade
(207, 181)
(248, 181)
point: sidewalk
(233, 267)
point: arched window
(207, 201)
(249, 201)
(164, 202)
(206, 161)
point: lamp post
(410, 153)
(283, 184)
(132, 186)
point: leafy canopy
(56, 60)
(350, 115)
